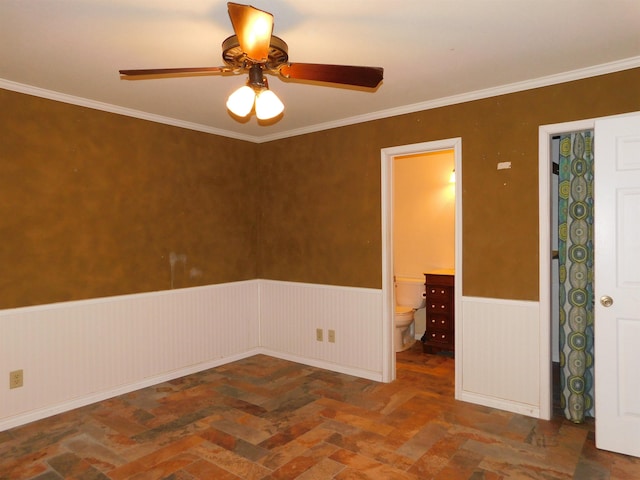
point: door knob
(606, 301)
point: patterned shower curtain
(575, 253)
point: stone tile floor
(265, 418)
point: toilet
(410, 296)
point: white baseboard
(39, 414)
(499, 353)
(291, 313)
(501, 404)
(356, 372)
(75, 353)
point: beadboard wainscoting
(75, 353)
(501, 355)
(291, 313)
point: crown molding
(549, 80)
(555, 79)
(129, 112)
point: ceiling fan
(255, 50)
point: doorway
(617, 288)
(423, 220)
(388, 155)
(547, 269)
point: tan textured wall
(320, 209)
(320, 204)
(92, 204)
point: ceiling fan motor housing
(234, 56)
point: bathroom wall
(423, 213)
(423, 217)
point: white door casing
(388, 305)
(546, 132)
(617, 276)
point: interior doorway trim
(388, 303)
(545, 133)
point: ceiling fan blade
(253, 28)
(168, 71)
(344, 74)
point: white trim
(325, 365)
(48, 411)
(83, 401)
(499, 372)
(388, 307)
(90, 350)
(459, 318)
(387, 157)
(114, 345)
(317, 286)
(602, 69)
(119, 298)
(292, 312)
(128, 112)
(545, 132)
(502, 404)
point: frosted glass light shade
(268, 105)
(241, 101)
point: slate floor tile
(263, 418)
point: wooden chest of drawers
(439, 334)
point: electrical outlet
(15, 379)
(331, 336)
(319, 334)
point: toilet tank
(410, 292)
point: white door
(617, 281)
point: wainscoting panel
(291, 313)
(75, 353)
(501, 354)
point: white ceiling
(433, 52)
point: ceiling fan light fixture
(268, 105)
(241, 101)
(254, 49)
